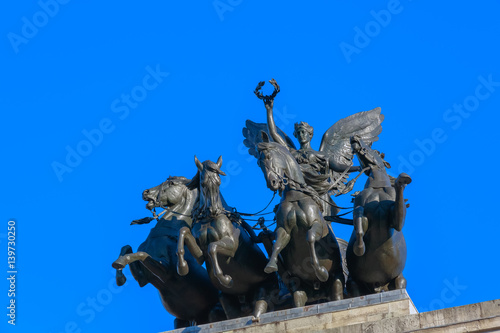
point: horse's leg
(399, 282)
(226, 246)
(120, 277)
(293, 283)
(299, 298)
(261, 304)
(399, 208)
(260, 308)
(185, 236)
(160, 274)
(282, 239)
(360, 226)
(266, 237)
(314, 234)
(129, 258)
(336, 287)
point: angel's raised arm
(268, 103)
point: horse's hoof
(271, 267)
(322, 274)
(120, 278)
(118, 264)
(182, 268)
(338, 290)
(403, 179)
(260, 308)
(226, 281)
(299, 298)
(400, 282)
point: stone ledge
(345, 312)
(380, 313)
(478, 317)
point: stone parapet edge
(306, 311)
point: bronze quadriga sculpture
(197, 226)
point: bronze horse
(376, 253)
(306, 243)
(234, 262)
(191, 298)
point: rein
(259, 212)
(233, 211)
(341, 177)
(260, 220)
(165, 209)
(286, 181)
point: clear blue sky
(67, 70)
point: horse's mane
(194, 183)
(268, 145)
(308, 178)
(279, 148)
(178, 180)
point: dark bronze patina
(307, 263)
(192, 299)
(234, 262)
(376, 254)
(310, 252)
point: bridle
(165, 209)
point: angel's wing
(252, 136)
(336, 143)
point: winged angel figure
(325, 170)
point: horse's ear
(382, 155)
(219, 162)
(198, 163)
(264, 136)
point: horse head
(172, 193)
(278, 165)
(368, 157)
(209, 172)
(208, 181)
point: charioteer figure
(326, 170)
